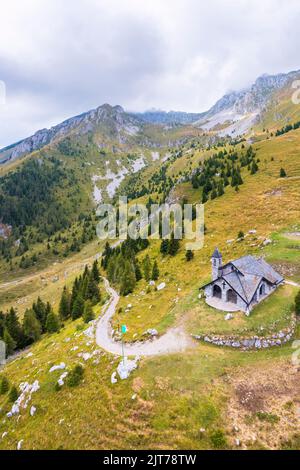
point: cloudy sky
(60, 58)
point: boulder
(229, 316)
(161, 286)
(125, 368)
(60, 366)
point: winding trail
(175, 340)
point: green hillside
(196, 399)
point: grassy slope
(176, 394)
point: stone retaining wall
(251, 342)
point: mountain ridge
(233, 114)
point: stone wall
(251, 342)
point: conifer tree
(95, 271)
(282, 173)
(31, 326)
(164, 246)
(10, 343)
(128, 279)
(64, 308)
(40, 310)
(189, 255)
(14, 328)
(173, 246)
(138, 272)
(147, 267)
(13, 394)
(4, 386)
(52, 322)
(92, 290)
(78, 307)
(155, 271)
(88, 314)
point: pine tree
(173, 246)
(88, 314)
(13, 394)
(164, 246)
(204, 198)
(138, 272)
(128, 279)
(14, 328)
(95, 271)
(40, 310)
(4, 386)
(282, 173)
(92, 290)
(189, 255)
(297, 303)
(64, 309)
(31, 326)
(155, 271)
(147, 267)
(52, 322)
(78, 307)
(10, 343)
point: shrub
(282, 173)
(75, 376)
(189, 255)
(4, 386)
(218, 439)
(269, 417)
(13, 394)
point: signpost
(123, 330)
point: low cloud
(58, 58)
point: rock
(161, 286)
(114, 379)
(252, 231)
(151, 283)
(237, 442)
(129, 306)
(32, 410)
(230, 241)
(60, 366)
(86, 356)
(202, 430)
(125, 367)
(152, 332)
(20, 443)
(4, 434)
(267, 241)
(257, 343)
(75, 348)
(29, 354)
(134, 396)
(200, 296)
(229, 316)
(61, 381)
(67, 340)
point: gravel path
(175, 340)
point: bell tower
(216, 261)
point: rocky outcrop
(251, 342)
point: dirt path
(292, 283)
(175, 340)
